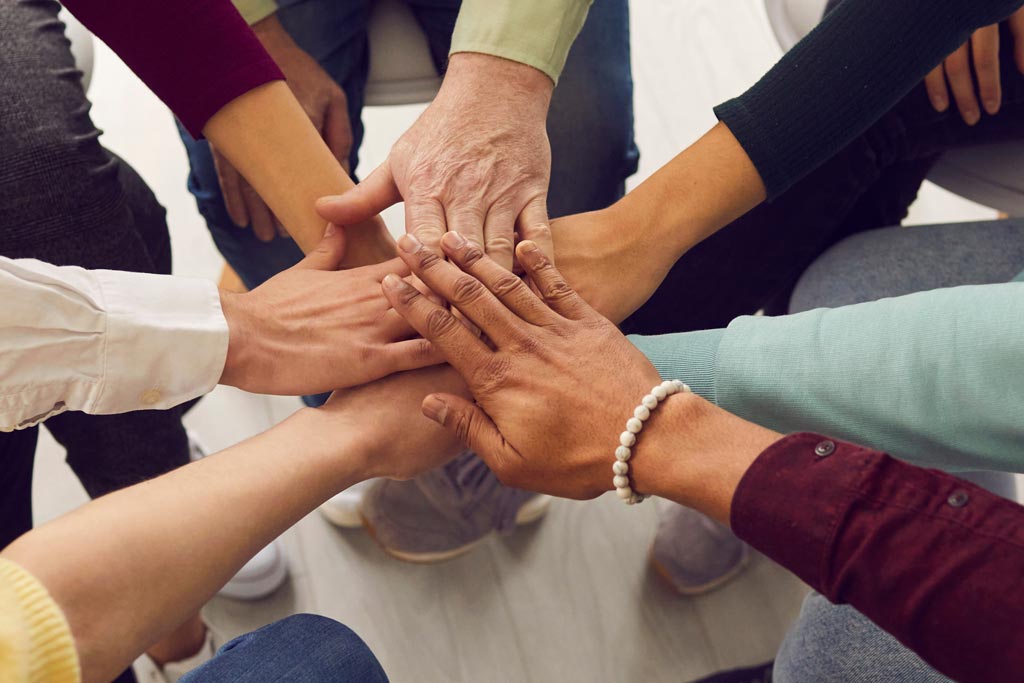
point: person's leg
(835, 642)
(304, 648)
(334, 33)
(17, 457)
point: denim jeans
(303, 648)
(590, 123)
(836, 643)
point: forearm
(121, 591)
(267, 136)
(927, 377)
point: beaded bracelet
(628, 438)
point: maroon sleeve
(935, 561)
(196, 55)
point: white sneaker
(343, 509)
(264, 573)
(147, 671)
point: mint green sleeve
(538, 33)
(255, 10)
(935, 378)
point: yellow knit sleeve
(538, 33)
(36, 645)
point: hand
(325, 104)
(554, 394)
(477, 161)
(311, 328)
(983, 51)
(396, 440)
(601, 257)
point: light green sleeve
(534, 32)
(255, 10)
(935, 378)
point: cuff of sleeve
(211, 97)
(791, 503)
(255, 10)
(50, 651)
(166, 341)
(745, 127)
(689, 357)
(538, 34)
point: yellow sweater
(35, 641)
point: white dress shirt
(103, 341)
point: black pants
(754, 262)
(66, 200)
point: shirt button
(958, 498)
(825, 449)
(151, 397)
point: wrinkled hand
(325, 104)
(556, 385)
(983, 51)
(477, 161)
(313, 328)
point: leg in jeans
(66, 200)
(837, 643)
(304, 648)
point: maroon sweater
(196, 55)
(935, 561)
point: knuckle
(499, 244)
(463, 426)
(472, 254)
(506, 284)
(557, 290)
(407, 295)
(466, 289)
(428, 259)
(440, 322)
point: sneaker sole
(346, 519)
(258, 587)
(662, 573)
(529, 513)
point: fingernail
(992, 106)
(972, 116)
(941, 104)
(453, 240)
(409, 244)
(435, 409)
(392, 281)
(330, 230)
(529, 246)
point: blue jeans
(836, 643)
(304, 648)
(590, 123)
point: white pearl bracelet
(627, 440)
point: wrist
(337, 450)
(367, 243)
(475, 75)
(241, 336)
(695, 454)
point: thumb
(470, 424)
(362, 202)
(534, 225)
(328, 253)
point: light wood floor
(570, 599)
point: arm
(107, 342)
(118, 603)
(852, 522)
(939, 360)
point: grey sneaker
(695, 554)
(444, 513)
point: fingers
(261, 219)
(362, 202)
(985, 54)
(328, 253)
(231, 189)
(535, 226)
(411, 355)
(425, 219)
(460, 347)
(466, 293)
(338, 130)
(502, 283)
(1016, 22)
(958, 73)
(498, 235)
(470, 424)
(935, 86)
(553, 288)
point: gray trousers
(835, 643)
